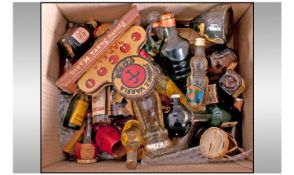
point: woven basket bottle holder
(216, 143)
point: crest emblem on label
(134, 77)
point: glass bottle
(76, 111)
(88, 137)
(154, 34)
(219, 116)
(197, 82)
(149, 114)
(99, 108)
(174, 52)
(165, 86)
(132, 140)
(120, 113)
(77, 40)
(216, 24)
(179, 119)
(220, 57)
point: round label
(134, 77)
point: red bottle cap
(108, 140)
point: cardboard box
(54, 17)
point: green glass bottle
(76, 111)
(219, 116)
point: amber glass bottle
(77, 40)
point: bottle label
(232, 83)
(81, 35)
(195, 94)
(211, 97)
(87, 151)
(98, 102)
(79, 113)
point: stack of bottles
(194, 91)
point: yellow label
(79, 113)
(173, 89)
(240, 90)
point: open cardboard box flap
(54, 18)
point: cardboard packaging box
(54, 17)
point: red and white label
(81, 35)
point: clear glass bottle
(197, 82)
(149, 114)
(174, 52)
(179, 119)
(132, 140)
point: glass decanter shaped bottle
(179, 119)
(149, 114)
(154, 34)
(197, 82)
(174, 52)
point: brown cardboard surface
(53, 25)
(119, 166)
(243, 43)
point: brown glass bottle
(76, 111)
(77, 40)
(174, 52)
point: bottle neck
(176, 102)
(170, 32)
(91, 26)
(199, 51)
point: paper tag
(98, 102)
(211, 97)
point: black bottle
(174, 52)
(178, 121)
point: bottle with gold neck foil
(76, 111)
(197, 82)
(174, 52)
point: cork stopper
(199, 42)
(131, 162)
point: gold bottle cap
(167, 20)
(199, 41)
(93, 23)
(131, 162)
